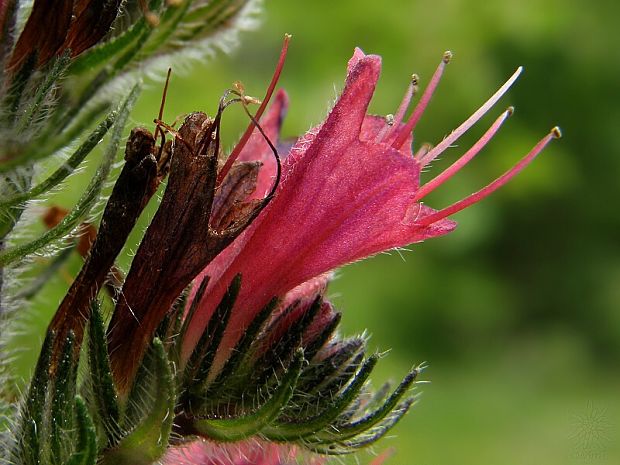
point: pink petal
(341, 199)
(249, 452)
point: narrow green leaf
(104, 53)
(364, 439)
(334, 372)
(301, 427)
(356, 427)
(200, 348)
(149, 440)
(321, 339)
(100, 376)
(16, 89)
(168, 24)
(29, 443)
(244, 426)
(208, 17)
(86, 441)
(241, 351)
(281, 350)
(52, 75)
(61, 415)
(94, 85)
(132, 52)
(32, 288)
(88, 199)
(67, 167)
(50, 142)
(201, 361)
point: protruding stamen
(473, 119)
(423, 150)
(158, 131)
(465, 158)
(404, 104)
(421, 106)
(248, 132)
(412, 89)
(492, 187)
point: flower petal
(244, 453)
(341, 199)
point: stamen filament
(404, 104)
(412, 88)
(464, 159)
(418, 111)
(248, 132)
(493, 186)
(473, 119)
(423, 150)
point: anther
(447, 56)
(556, 132)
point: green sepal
(369, 420)
(100, 377)
(67, 167)
(300, 428)
(168, 23)
(63, 390)
(241, 351)
(210, 16)
(55, 138)
(86, 95)
(281, 351)
(330, 375)
(103, 53)
(86, 441)
(88, 199)
(32, 288)
(319, 342)
(201, 361)
(364, 439)
(149, 438)
(246, 425)
(170, 326)
(52, 75)
(31, 427)
(16, 89)
(200, 348)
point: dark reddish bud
(181, 240)
(130, 194)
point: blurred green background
(517, 311)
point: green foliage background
(517, 311)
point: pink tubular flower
(249, 452)
(350, 188)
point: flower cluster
(222, 346)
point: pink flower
(249, 452)
(350, 189)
